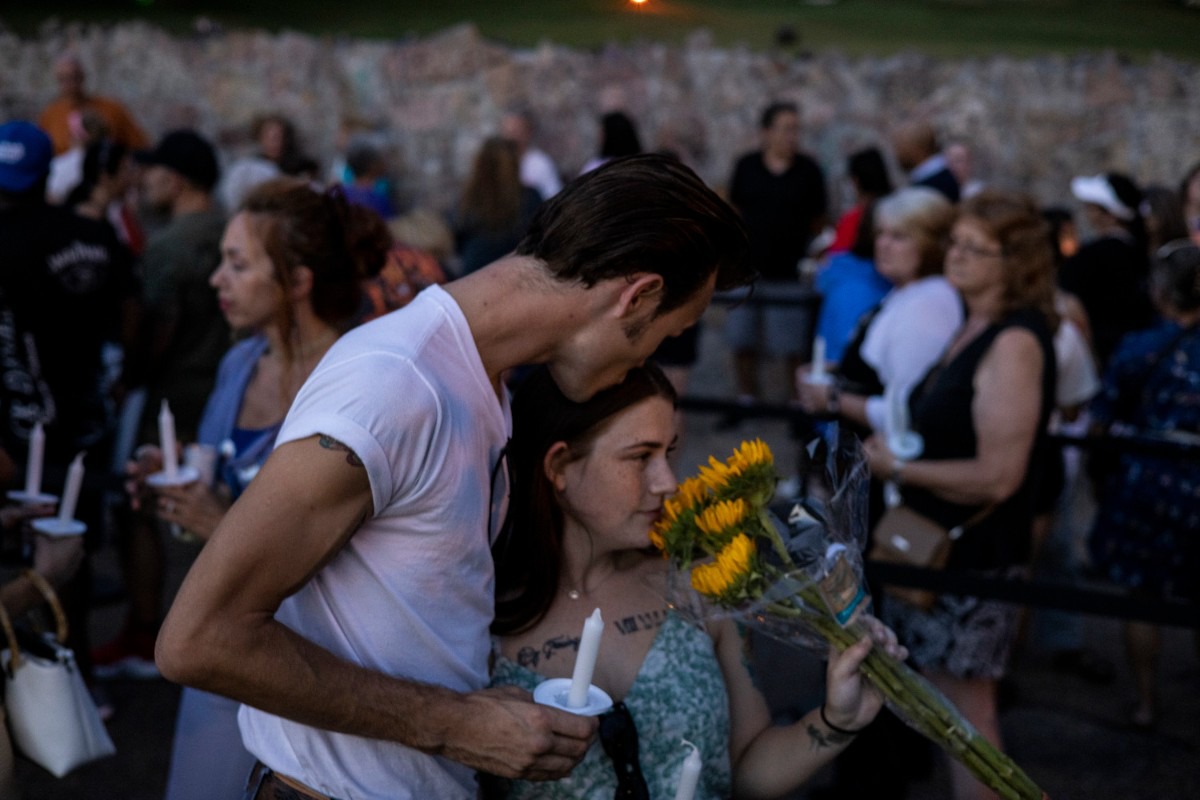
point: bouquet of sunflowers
(802, 582)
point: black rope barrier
(1119, 441)
(801, 296)
(1098, 599)
(1092, 598)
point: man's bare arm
(221, 635)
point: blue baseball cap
(25, 153)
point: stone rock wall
(1033, 123)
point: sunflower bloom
(722, 521)
(692, 493)
(729, 575)
(750, 455)
(717, 475)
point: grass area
(942, 27)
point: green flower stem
(925, 710)
(923, 707)
(767, 527)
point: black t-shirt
(1110, 278)
(779, 211)
(64, 281)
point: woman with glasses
(1144, 536)
(982, 411)
(588, 482)
(292, 261)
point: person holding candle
(589, 480)
(292, 262)
(345, 598)
(895, 343)
(55, 558)
(982, 411)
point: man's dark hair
(644, 213)
(869, 172)
(774, 110)
(362, 156)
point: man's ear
(554, 463)
(641, 296)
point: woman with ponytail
(292, 263)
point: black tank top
(941, 412)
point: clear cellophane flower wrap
(801, 581)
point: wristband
(897, 476)
(835, 728)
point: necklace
(574, 593)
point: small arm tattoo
(820, 738)
(330, 443)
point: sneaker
(130, 655)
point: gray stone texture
(1033, 122)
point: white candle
(66, 509)
(897, 400)
(818, 360)
(689, 776)
(585, 660)
(33, 465)
(166, 440)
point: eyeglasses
(974, 251)
(618, 736)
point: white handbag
(50, 712)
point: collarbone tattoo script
(531, 657)
(645, 621)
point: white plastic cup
(202, 458)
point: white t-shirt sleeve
(1077, 378)
(378, 406)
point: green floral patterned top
(679, 693)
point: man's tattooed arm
(330, 443)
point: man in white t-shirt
(537, 170)
(345, 598)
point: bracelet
(897, 476)
(833, 404)
(835, 728)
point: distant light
(637, 2)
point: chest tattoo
(646, 621)
(530, 657)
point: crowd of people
(390, 555)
